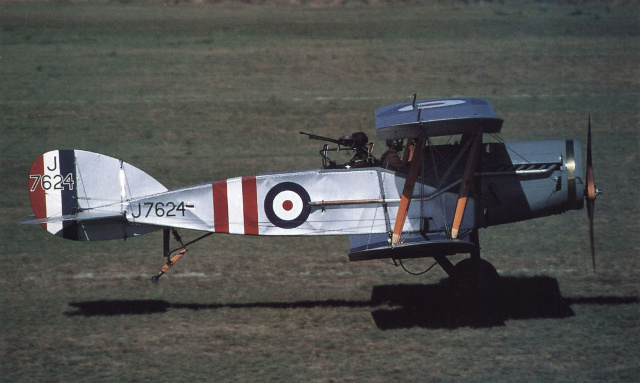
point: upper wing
(436, 118)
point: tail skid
(167, 250)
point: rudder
(80, 195)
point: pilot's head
(395, 144)
(359, 139)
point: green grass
(197, 92)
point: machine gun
(343, 141)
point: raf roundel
(287, 205)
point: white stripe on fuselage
(235, 205)
(53, 196)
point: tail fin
(80, 195)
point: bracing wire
(502, 141)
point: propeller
(590, 193)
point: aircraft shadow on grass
(404, 306)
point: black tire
(476, 272)
(475, 290)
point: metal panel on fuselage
(525, 180)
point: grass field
(192, 93)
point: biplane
(431, 206)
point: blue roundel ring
(287, 205)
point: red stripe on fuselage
(250, 205)
(220, 207)
(38, 199)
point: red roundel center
(287, 205)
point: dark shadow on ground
(442, 306)
(404, 306)
(136, 307)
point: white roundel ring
(287, 205)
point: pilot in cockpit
(362, 156)
(391, 158)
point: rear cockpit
(353, 151)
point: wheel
(475, 273)
(475, 290)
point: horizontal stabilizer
(76, 217)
